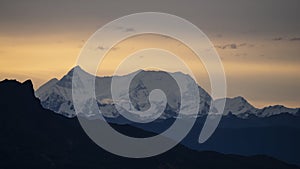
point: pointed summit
(238, 106)
(77, 67)
(66, 81)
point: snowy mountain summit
(56, 95)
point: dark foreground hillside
(32, 137)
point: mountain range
(34, 137)
(243, 129)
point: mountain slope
(33, 137)
(276, 136)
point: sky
(258, 41)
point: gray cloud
(129, 30)
(125, 29)
(295, 39)
(219, 35)
(233, 46)
(277, 39)
(286, 38)
(105, 48)
(101, 47)
(227, 46)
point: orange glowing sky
(40, 41)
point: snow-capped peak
(58, 96)
(238, 106)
